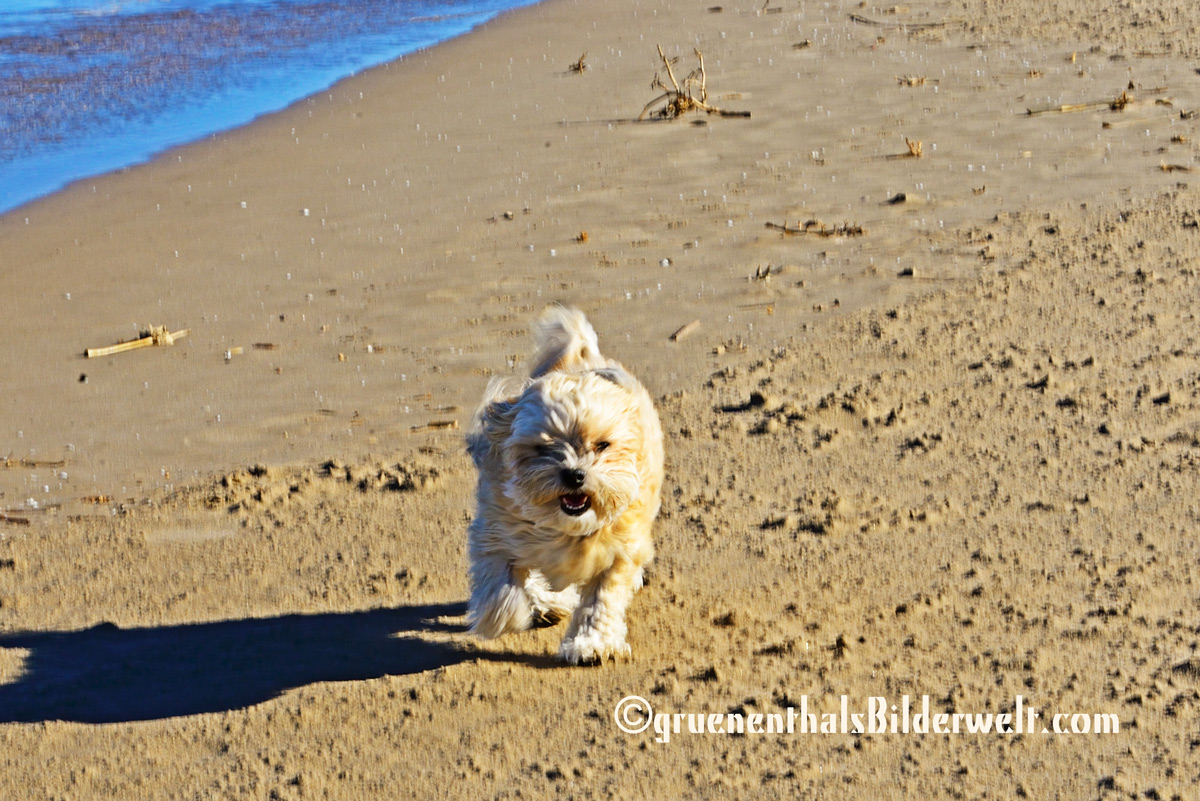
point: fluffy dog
(570, 469)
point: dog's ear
(493, 422)
(617, 376)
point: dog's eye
(545, 449)
(601, 446)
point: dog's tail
(565, 340)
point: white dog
(570, 470)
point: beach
(931, 424)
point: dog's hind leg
(498, 602)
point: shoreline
(216, 102)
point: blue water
(89, 86)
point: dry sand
(954, 456)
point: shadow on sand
(106, 674)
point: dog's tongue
(575, 503)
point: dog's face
(572, 451)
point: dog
(570, 466)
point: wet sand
(947, 450)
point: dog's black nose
(573, 477)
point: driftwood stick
(435, 425)
(685, 331)
(1067, 108)
(919, 26)
(157, 335)
(817, 228)
(9, 463)
(1117, 104)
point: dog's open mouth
(575, 503)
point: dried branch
(435, 425)
(692, 95)
(817, 228)
(9, 463)
(902, 25)
(1117, 104)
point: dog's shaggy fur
(570, 470)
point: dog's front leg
(498, 601)
(548, 606)
(597, 629)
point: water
(89, 86)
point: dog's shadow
(107, 674)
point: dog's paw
(549, 607)
(588, 648)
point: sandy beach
(933, 434)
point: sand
(950, 456)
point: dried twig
(435, 425)
(9, 462)
(1066, 108)
(1117, 104)
(817, 228)
(916, 149)
(157, 335)
(916, 26)
(685, 331)
(692, 95)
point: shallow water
(88, 86)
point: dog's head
(571, 447)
